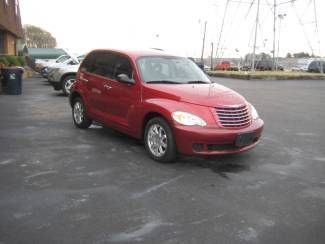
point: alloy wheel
(78, 112)
(157, 140)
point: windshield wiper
(197, 82)
(163, 82)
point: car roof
(134, 54)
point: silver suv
(62, 78)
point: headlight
(254, 113)
(188, 119)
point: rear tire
(159, 140)
(79, 114)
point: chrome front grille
(234, 116)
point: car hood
(210, 95)
(70, 68)
(57, 65)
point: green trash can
(12, 80)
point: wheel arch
(67, 74)
(149, 116)
(73, 96)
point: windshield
(169, 69)
(62, 58)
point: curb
(266, 77)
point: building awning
(43, 53)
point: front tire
(79, 114)
(67, 83)
(159, 140)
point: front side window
(170, 69)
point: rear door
(91, 74)
(120, 99)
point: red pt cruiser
(165, 100)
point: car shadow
(114, 135)
(221, 165)
(58, 94)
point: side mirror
(124, 78)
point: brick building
(11, 30)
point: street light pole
(255, 38)
(239, 59)
(281, 16)
(211, 68)
(274, 22)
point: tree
(258, 57)
(36, 37)
(289, 55)
(301, 55)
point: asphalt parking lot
(59, 184)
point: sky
(177, 26)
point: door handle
(84, 79)
(107, 87)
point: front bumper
(196, 140)
(54, 80)
(56, 85)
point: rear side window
(104, 65)
(107, 64)
(122, 66)
(87, 64)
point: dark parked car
(261, 65)
(166, 100)
(264, 65)
(200, 64)
(316, 65)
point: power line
(249, 9)
(303, 27)
(222, 25)
(229, 32)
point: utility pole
(255, 38)
(321, 68)
(205, 29)
(211, 61)
(274, 23)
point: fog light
(198, 147)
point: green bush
(4, 61)
(13, 60)
(21, 60)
